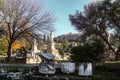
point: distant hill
(69, 37)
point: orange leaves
(18, 44)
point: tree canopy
(23, 19)
(92, 51)
(64, 47)
(100, 18)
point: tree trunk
(111, 48)
(25, 55)
(116, 56)
(9, 52)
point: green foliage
(3, 46)
(63, 47)
(100, 18)
(89, 52)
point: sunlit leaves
(19, 44)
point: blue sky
(61, 10)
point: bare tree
(23, 18)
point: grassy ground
(104, 71)
(108, 71)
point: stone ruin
(50, 48)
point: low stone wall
(27, 65)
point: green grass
(110, 62)
(108, 71)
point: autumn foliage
(19, 44)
